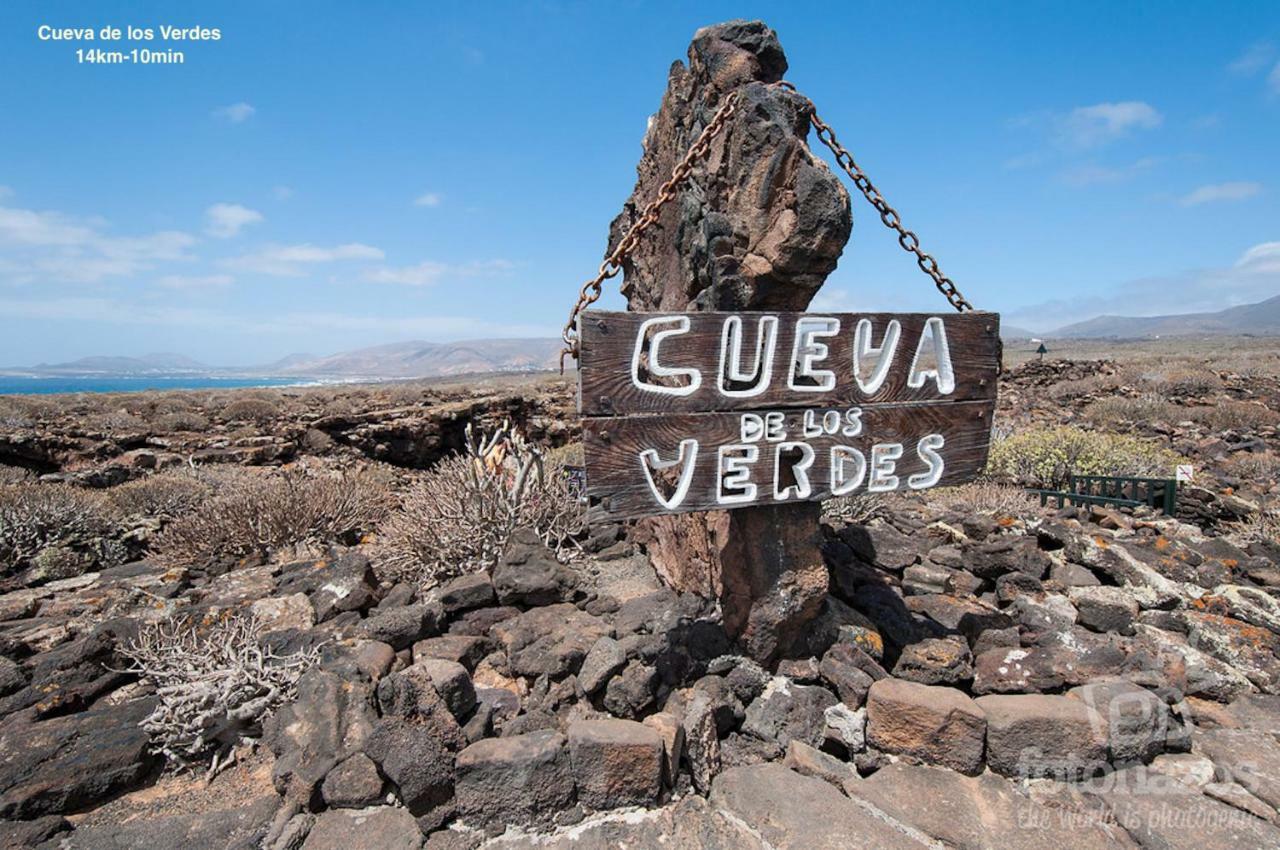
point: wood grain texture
(608, 341)
(618, 488)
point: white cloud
(291, 260)
(1253, 277)
(1087, 127)
(208, 281)
(111, 311)
(29, 227)
(1253, 60)
(50, 246)
(1092, 173)
(236, 113)
(1214, 192)
(833, 300)
(281, 193)
(422, 274)
(227, 220)
(1260, 259)
(428, 199)
(429, 272)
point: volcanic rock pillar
(759, 226)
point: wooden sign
(714, 411)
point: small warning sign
(1185, 473)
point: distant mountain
(1261, 319)
(147, 364)
(431, 359)
(398, 360)
(1014, 332)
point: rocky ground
(984, 673)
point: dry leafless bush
(1263, 526)
(216, 683)
(254, 516)
(258, 410)
(1260, 467)
(1092, 385)
(1126, 411)
(1188, 382)
(68, 528)
(1229, 415)
(179, 420)
(855, 508)
(984, 497)
(13, 475)
(165, 495)
(115, 421)
(458, 518)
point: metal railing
(1115, 491)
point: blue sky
(334, 175)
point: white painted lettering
(731, 371)
(733, 481)
(799, 470)
(927, 449)
(842, 480)
(870, 378)
(934, 335)
(884, 459)
(677, 325)
(686, 458)
(807, 351)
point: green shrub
(1047, 457)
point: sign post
(718, 411)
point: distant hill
(1261, 319)
(1014, 332)
(398, 360)
(147, 364)
(431, 359)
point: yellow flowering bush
(1047, 457)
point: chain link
(612, 265)
(906, 238)
(592, 289)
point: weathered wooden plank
(613, 381)
(624, 455)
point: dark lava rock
(528, 573)
(632, 691)
(553, 640)
(616, 763)
(334, 584)
(327, 722)
(353, 783)
(411, 755)
(466, 593)
(938, 661)
(466, 650)
(383, 828)
(787, 712)
(605, 658)
(400, 627)
(67, 763)
(519, 779)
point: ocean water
(20, 385)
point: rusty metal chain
(612, 265)
(906, 238)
